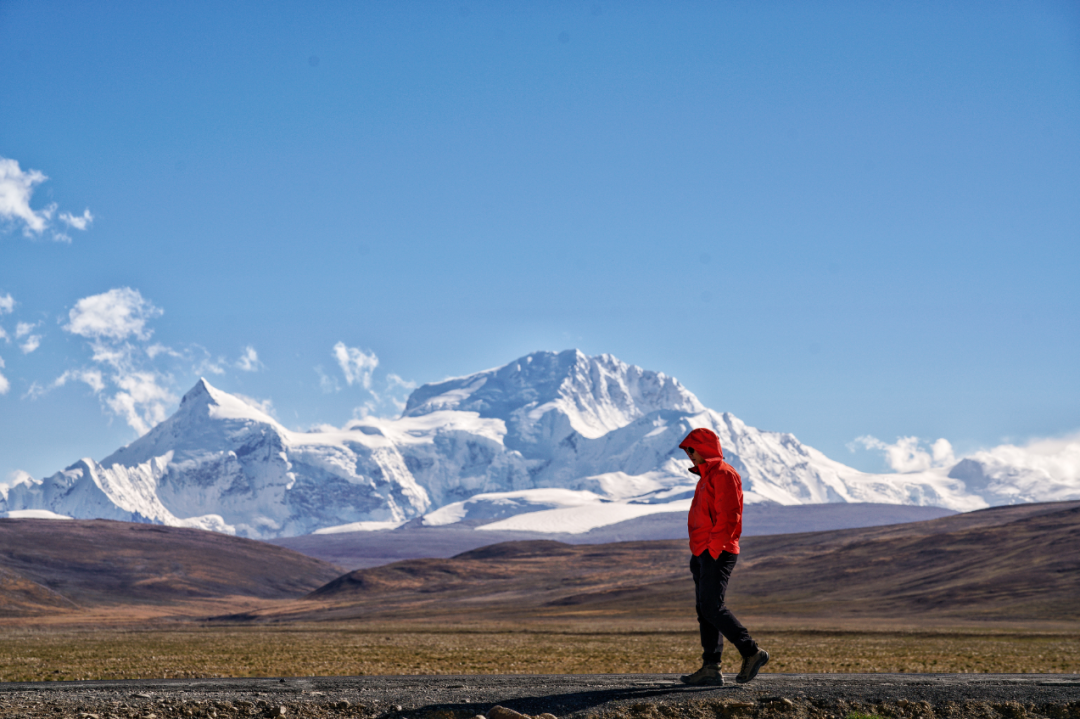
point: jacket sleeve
(727, 509)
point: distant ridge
(356, 550)
(1017, 564)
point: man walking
(715, 524)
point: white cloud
(90, 377)
(79, 222)
(157, 349)
(1055, 460)
(4, 335)
(115, 315)
(355, 364)
(1043, 470)
(908, 455)
(138, 393)
(32, 343)
(4, 384)
(249, 361)
(210, 366)
(127, 371)
(7, 304)
(141, 401)
(16, 188)
(358, 367)
(17, 476)
(115, 323)
(113, 355)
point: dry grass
(64, 653)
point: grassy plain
(189, 651)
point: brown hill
(49, 565)
(1008, 563)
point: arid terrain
(75, 569)
(580, 696)
(989, 591)
(1015, 565)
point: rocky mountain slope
(552, 442)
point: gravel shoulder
(798, 696)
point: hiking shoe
(751, 665)
(708, 675)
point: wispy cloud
(327, 384)
(159, 349)
(358, 368)
(114, 323)
(4, 384)
(356, 365)
(17, 189)
(398, 391)
(142, 401)
(249, 360)
(133, 376)
(7, 306)
(90, 377)
(79, 222)
(31, 341)
(208, 364)
(263, 405)
(910, 454)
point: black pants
(716, 621)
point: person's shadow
(560, 704)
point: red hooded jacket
(715, 519)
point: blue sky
(836, 219)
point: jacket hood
(705, 442)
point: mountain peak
(205, 393)
(202, 389)
(596, 394)
(222, 405)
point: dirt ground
(65, 653)
(613, 696)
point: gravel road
(798, 696)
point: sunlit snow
(552, 442)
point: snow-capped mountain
(549, 442)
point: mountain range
(551, 442)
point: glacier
(551, 442)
